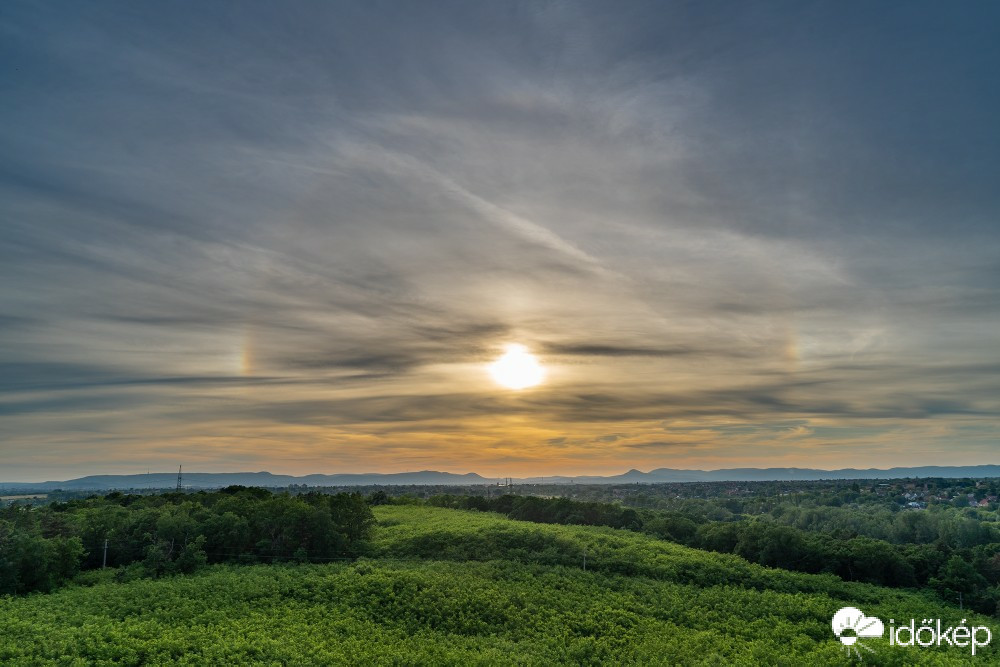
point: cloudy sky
(292, 236)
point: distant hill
(211, 480)
(661, 475)
(215, 480)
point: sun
(517, 368)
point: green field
(454, 587)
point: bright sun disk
(517, 368)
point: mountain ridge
(203, 480)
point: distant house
(984, 503)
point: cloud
(661, 445)
(609, 350)
(319, 222)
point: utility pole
(179, 487)
(104, 562)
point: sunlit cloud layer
(293, 236)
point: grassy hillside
(454, 587)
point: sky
(293, 236)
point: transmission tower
(179, 485)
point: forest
(935, 534)
(961, 562)
(942, 535)
(151, 535)
(459, 587)
(481, 575)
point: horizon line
(529, 477)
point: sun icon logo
(851, 625)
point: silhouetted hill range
(207, 480)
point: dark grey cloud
(609, 350)
(43, 376)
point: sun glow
(517, 368)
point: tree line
(968, 571)
(153, 535)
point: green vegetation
(940, 534)
(153, 535)
(452, 587)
